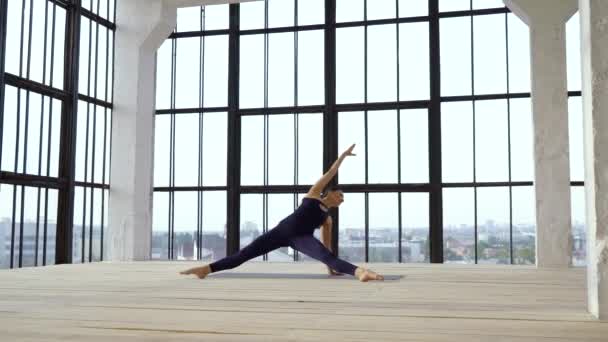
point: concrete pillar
(141, 27)
(546, 20)
(594, 62)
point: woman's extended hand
(349, 151)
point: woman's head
(333, 197)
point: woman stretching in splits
(296, 231)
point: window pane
(415, 227)
(351, 130)
(311, 12)
(352, 228)
(37, 40)
(58, 57)
(491, 141)
(86, 37)
(414, 146)
(13, 36)
(252, 150)
(252, 15)
(382, 149)
(519, 55)
(189, 19)
(251, 71)
(489, 57)
(280, 149)
(162, 143)
(9, 136)
(524, 225)
(575, 123)
(163, 75)
(281, 64)
(522, 140)
(279, 206)
(573, 52)
(579, 229)
(102, 63)
(252, 219)
(216, 17)
(311, 68)
(280, 13)
(216, 71)
(33, 133)
(454, 5)
(481, 4)
(214, 225)
(187, 81)
(350, 65)
(215, 150)
(493, 226)
(414, 71)
(310, 151)
(458, 225)
(99, 145)
(80, 233)
(185, 220)
(160, 226)
(349, 10)
(383, 227)
(455, 41)
(186, 149)
(409, 8)
(382, 63)
(457, 141)
(83, 142)
(381, 9)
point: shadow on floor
(289, 276)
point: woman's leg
(263, 244)
(312, 247)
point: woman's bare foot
(200, 272)
(364, 275)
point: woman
(296, 231)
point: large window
(38, 112)
(435, 94)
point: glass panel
(252, 219)
(349, 10)
(415, 227)
(409, 8)
(457, 141)
(481, 4)
(162, 143)
(281, 149)
(382, 148)
(279, 206)
(311, 12)
(311, 68)
(493, 228)
(99, 144)
(189, 19)
(579, 229)
(187, 82)
(351, 130)
(185, 220)
(102, 63)
(524, 225)
(80, 235)
(491, 141)
(252, 15)
(575, 134)
(458, 226)
(310, 149)
(352, 228)
(382, 63)
(214, 225)
(490, 55)
(215, 71)
(85, 58)
(215, 148)
(33, 133)
(454, 5)
(281, 64)
(519, 55)
(522, 140)
(414, 146)
(251, 71)
(381, 9)
(350, 65)
(9, 136)
(280, 13)
(160, 226)
(252, 150)
(186, 150)
(455, 47)
(216, 17)
(414, 68)
(383, 227)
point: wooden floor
(150, 301)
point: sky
(489, 76)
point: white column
(141, 26)
(546, 20)
(594, 60)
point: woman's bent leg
(263, 244)
(312, 247)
